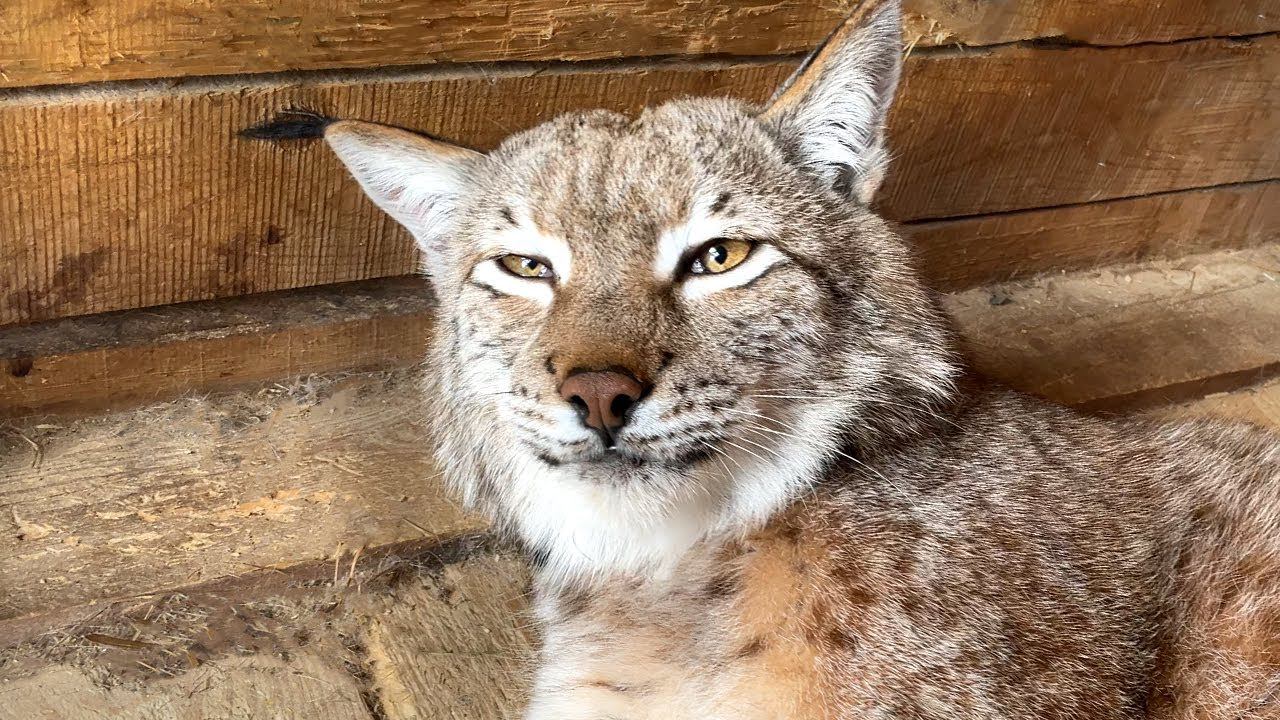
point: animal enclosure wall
(1093, 186)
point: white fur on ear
(415, 179)
(833, 108)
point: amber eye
(720, 255)
(526, 267)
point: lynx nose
(602, 398)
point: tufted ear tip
(832, 110)
(291, 124)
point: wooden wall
(1030, 135)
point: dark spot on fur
(506, 215)
(573, 603)
(666, 360)
(841, 641)
(537, 555)
(720, 202)
(704, 383)
(681, 388)
(547, 459)
(751, 649)
(21, 365)
(722, 585)
(550, 365)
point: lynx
(682, 362)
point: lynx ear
(832, 110)
(415, 179)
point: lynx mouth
(620, 457)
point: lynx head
(657, 328)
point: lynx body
(686, 367)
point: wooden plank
(1259, 404)
(1116, 337)
(1099, 22)
(93, 363)
(307, 687)
(961, 253)
(142, 198)
(44, 42)
(1015, 128)
(456, 647)
(196, 490)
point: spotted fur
(813, 513)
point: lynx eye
(525, 267)
(720, 255)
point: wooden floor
(287, 551)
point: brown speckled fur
(813, 514)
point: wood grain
(1121, 337)
(1015, 128)
(44, 42)
(94, 363)
(142, 198)
(306, 687)
(961, 253)
(196, 490)
(1259, 404)
(458, 647)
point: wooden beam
(45, 42)
(197, 490)
(963, 252)
(1015, 128)
(146, 197)
(1129, 336)
(94, 363)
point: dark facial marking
(491, 291)
(720, 203)
(506, 215)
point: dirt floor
(289, 552)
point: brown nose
(602, 397)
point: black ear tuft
(292, 124)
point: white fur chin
(592, 529)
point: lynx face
(657, 328)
